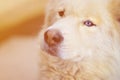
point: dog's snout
(53, 37)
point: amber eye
(61, 13)
(89, 23)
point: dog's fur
(87, 53)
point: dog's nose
(53, 37)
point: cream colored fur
(87, 53)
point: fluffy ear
(115, 9)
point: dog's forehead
(87, 4)
(83, 7)
(86, 8)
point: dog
(80, 40)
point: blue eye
(89, 23)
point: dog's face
(77, 29)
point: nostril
(53, 37)
(57, 38)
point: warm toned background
(20, 22)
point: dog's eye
(89, 23)
(61, 13)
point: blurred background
(20, 22)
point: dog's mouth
(52, 50)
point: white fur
(87, 53)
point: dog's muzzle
(53, 39)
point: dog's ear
(115, 9)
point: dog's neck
(52, 68)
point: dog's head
(77, 29)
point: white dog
(80, 40)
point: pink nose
(53, 37)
